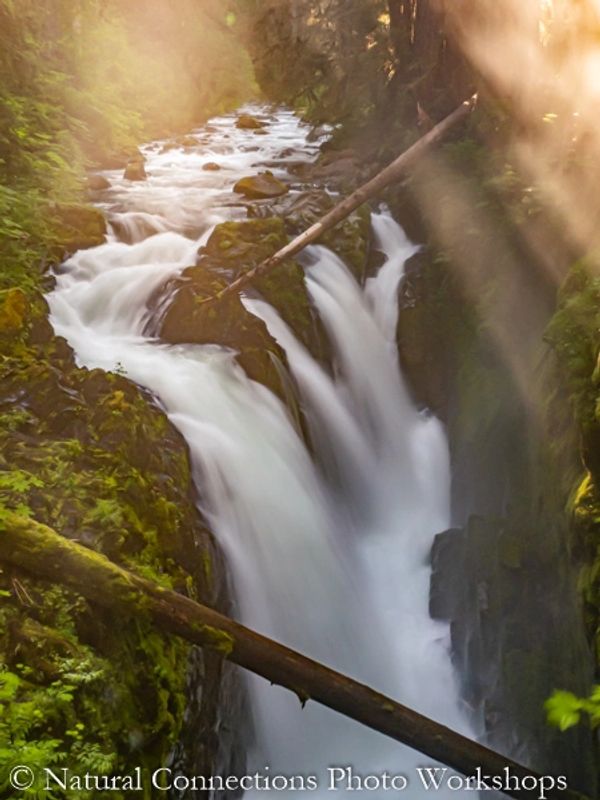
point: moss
(77, 226)
(220, 641)
(574, 333)
(90, 455)
(227, 321)
(350, 240)
(13, 308)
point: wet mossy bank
(93, 456)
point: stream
(328, 550)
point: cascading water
(329, 553)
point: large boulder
(135, 169)
(262, 186)
(349, 240)
(246, 122)
(97, 183)
(77, 226)
(234, 248)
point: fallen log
(393, 172)
(38, 549)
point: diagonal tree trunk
(393, 172)
(29, 545)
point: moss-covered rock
(97, 183)
(77, 226)
(574, 333)
(350, 240)
(90, 454)
(248, 122)
(135, 171)
(262, 186)
(234, 248)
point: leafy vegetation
(82, 83)
(565, 709)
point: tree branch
(389, 175)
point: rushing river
(328, 552)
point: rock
(246, 122)
(90, 454)
(407, 212)
(135, 170)
(349, 240)
(97, 183)
(166, 148)
(318, 133)
(211, 166)
(233, 248)
(186, 141)
(134, 228)
(113, 159)
(262, 186)
(78, 226)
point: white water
(330, 555)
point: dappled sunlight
(551, 81)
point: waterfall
(328, 548)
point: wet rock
(508, 624)
(142, 228)
(261, 186)
(211, 166)
(97, 183)
(340, 169)
(186, 142)
(135, 170)
(234, 248)
(166, 148)
(114, 159)
(318, 132)
(247, 122)
(349, 240)
(407, 212)
(78, 226)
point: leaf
(563, 709)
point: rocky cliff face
(483, 347)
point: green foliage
(38, 723)
(90, 79)
(84, 82)
(564, 709)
